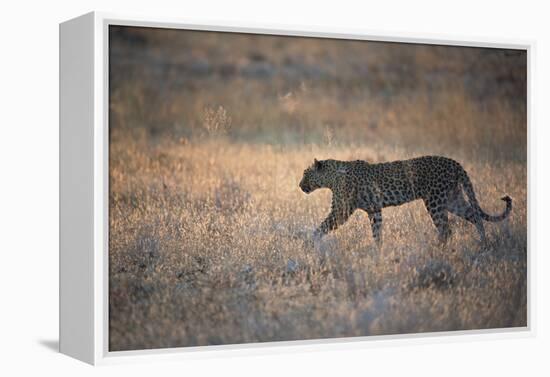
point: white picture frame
(84, 191)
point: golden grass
(208, 246)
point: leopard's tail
(469, 190)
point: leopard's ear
(316, 164)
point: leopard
(440, 182)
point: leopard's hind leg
(437, 209)
(458, 206)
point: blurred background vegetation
(294, 90)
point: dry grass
(209, 231)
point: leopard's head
(319, 175)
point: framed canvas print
(226, 187)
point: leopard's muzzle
(305, 188)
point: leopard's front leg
(375, 218)
(339, 214)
